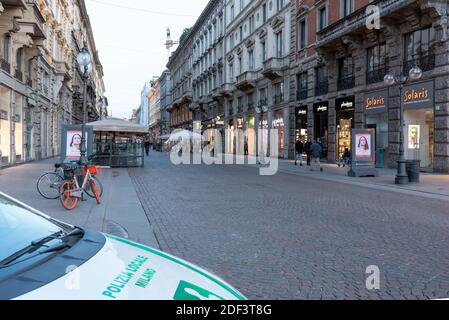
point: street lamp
(261, 111)
(414, 74)
(85, 64)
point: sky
(130, 37)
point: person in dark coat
(299, 149)
(308, 151)
(316, 152)
(147, 146)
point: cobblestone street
(294, 237)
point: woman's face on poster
(363, 143)
(76, 140)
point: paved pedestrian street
(288, 236)
(294, 237)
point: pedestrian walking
(308, 150)
(316, 152)
(147, 145)
(299, 149)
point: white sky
(131, 43)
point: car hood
(124, 270)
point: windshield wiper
(36, 244)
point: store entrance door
(419, 134)
(344, 125)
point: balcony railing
(376, 76)
(5, 66)
(279, 98)
(247, 76)
(302, 94)
(426, 63)
(322, 88)
(358, 20)
(18, 75)
(346, 83)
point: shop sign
(301, 111)
(3, 114)
(376, 101)
(321, 107)
(278, 123)
(363, 153)
(419, 95)
(345, 104)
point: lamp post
(261, 111)
(84, 62)
(414, 74)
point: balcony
(18, 75)
(322, 88)
(426, 63)
(246, 81)
(302, 94)
(273, 68)
(376, 76)
(346, 83)
(5, 66)
(227, 89)
(356, 22)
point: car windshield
(19, 227)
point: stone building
(165, 81)
(40, 83)
(208, 67)
(340, 56)
(257, 62)
(154, 106)
(180, 66)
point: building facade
(314, 69)
(180, 66)
(40, 82)
(143, 116)
(208, 68)
(165, 84)
(339, 59)
(155, 116)
(257, 73)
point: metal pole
(83, 158)
(402, 177)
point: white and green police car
(45, 259)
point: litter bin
(413, 170)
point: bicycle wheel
(94, 188)
(67, 200)
(49, 184)
(99, 186)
